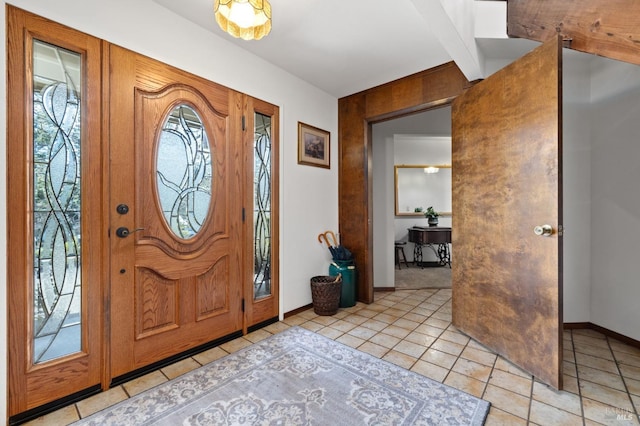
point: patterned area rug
(297, 378)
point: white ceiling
(346, 46)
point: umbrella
(323, 236)
(338, 252)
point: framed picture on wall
(314, 146)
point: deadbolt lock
(544, 230)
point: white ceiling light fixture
(431, 170)
(245, 19)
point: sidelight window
(262, 206)
(57, 289)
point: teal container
(347, 269)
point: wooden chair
(400, 256)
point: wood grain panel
(418, 92)
(212, 290)
(609, 28)
(353, 191)
(156, 303)
(506, 163)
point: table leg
(444, 254)
(417, 254)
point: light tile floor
(412, 328)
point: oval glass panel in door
(184, 172)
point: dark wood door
(506, 159)
(176, 251)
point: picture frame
(314, 146)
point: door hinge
(242, 305)
(243, 124)
(243, 215)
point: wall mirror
(421, 186)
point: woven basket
(325, 293)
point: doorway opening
(423, 138)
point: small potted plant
(432, 216)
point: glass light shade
(431, 170)
(246, 19)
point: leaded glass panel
(262, 206)
(57, 292)
(184, 172)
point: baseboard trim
(384, 289)
(609, 333)
(297, 311)
(576, 325)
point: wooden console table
(436, 238)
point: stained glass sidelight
(184, 172)
(57, 285)
(262, 206)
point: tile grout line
(575, 363)
(493, 367)
(436, 338)
(624, 381)
(619, 373)
(533, 383)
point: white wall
(615, 213)
(309, 197)
(383, 208)
(576, 182)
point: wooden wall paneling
(418, 92)
(609, 28)
(353, 184)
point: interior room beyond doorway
(422, 138)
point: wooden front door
(176, 218)
(506, 155)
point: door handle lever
(123, 231)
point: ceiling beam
(452, 23)
(609, 28)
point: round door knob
(544, 230)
